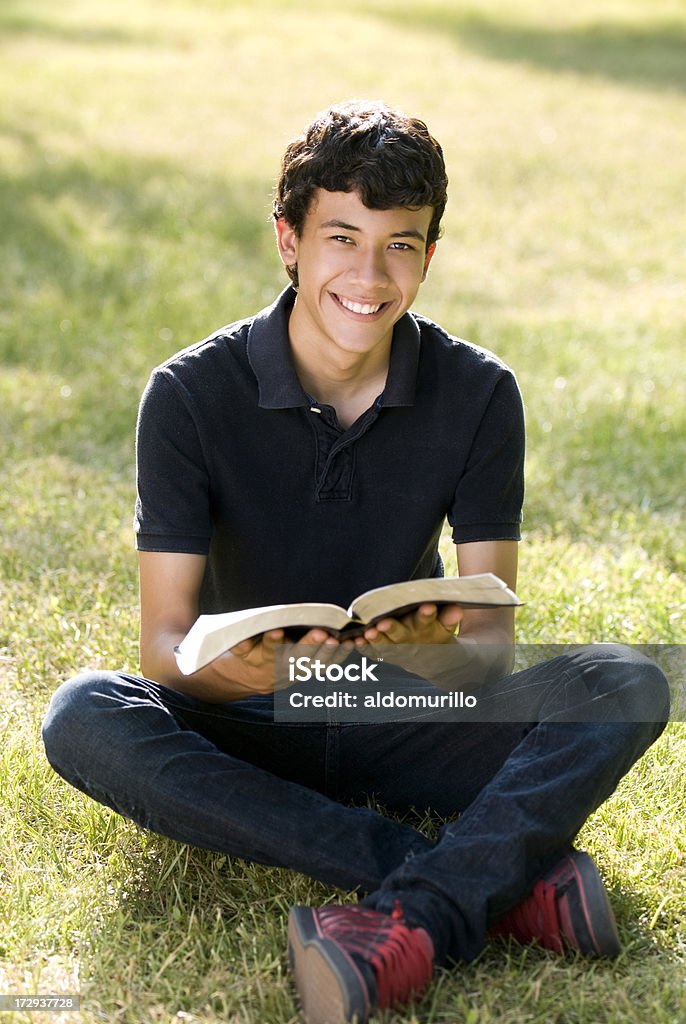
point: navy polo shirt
(237, 462)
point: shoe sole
(586, 917)
(331, 988)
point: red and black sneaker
(567, 909)
(349, 961)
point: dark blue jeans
(226, 777)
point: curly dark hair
(389, 159)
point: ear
(427, 260)
(286, 242)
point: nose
(369, 269)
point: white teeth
(359, 307)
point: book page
(484, 589)
(213, 635)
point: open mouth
(361, 308)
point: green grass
(139, 142)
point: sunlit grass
(138, 146)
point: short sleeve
(172, 505)
(490, 494)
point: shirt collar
(270, 357)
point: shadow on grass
(204, 933)
(95, 231)
(16, 21)
(193, 931)
(653, 57)
(650, 57)
(109, 267)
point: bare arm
(432, 625)
(169, 594)
(489, 625)
(429, 625)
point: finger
(331, 654)
(271, 640)
(450, 616)
(244, 648)
(318, 636)
(388, 630)
(424, 616)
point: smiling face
(359, 271)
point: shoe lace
(401, 956)
(536, 917)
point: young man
(310, 453)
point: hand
(427, 624)
(422, 642)
(251, 667)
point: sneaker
(349, 961)
(567, 908)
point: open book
(212, 635)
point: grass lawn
(139, 142)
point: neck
(326, 380)
(350, 391)
(348, 381)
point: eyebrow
(412, 233)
